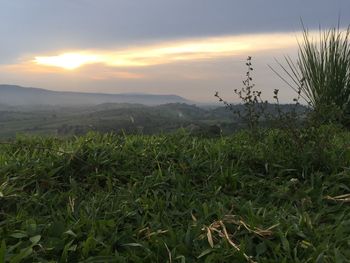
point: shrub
(321, 74)
(253, 105)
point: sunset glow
(68, 61)
(187, 48)
(164, 53)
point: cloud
(169, 52)
(193, 68)
(27, 68)
(37, 25)
(93, 72)
(110, 75)
(68, 60)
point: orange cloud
(28, 68)
(158, 54)
(170, 52)
(117, 75)
(68, 60)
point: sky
(190, 48)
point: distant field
(129, 118)
(176, 198)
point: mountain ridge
(18, 95)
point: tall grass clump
(321, 74)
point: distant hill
(17, 95)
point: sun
(69, 61)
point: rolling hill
(17, 95)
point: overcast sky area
(191, 48)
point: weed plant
(250, 97)
(255, 110)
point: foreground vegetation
(177, 198)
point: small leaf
(65, 251)
(18, 235)
(205, 252)
(210, 237)
(88, 245)
(320, 257)
(285, 243)
(338, 256)
(181, 258)
(56, 229)
(70, 232)
(2, 251)
(35, 239)
(73, 247)
(261, 248)
(132, 245)
(24, 253)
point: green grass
(176, 198)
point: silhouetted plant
(290, 120)
(254, 105)
(321, 74)
(255, 109)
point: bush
(321, 74)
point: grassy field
(177, 198)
